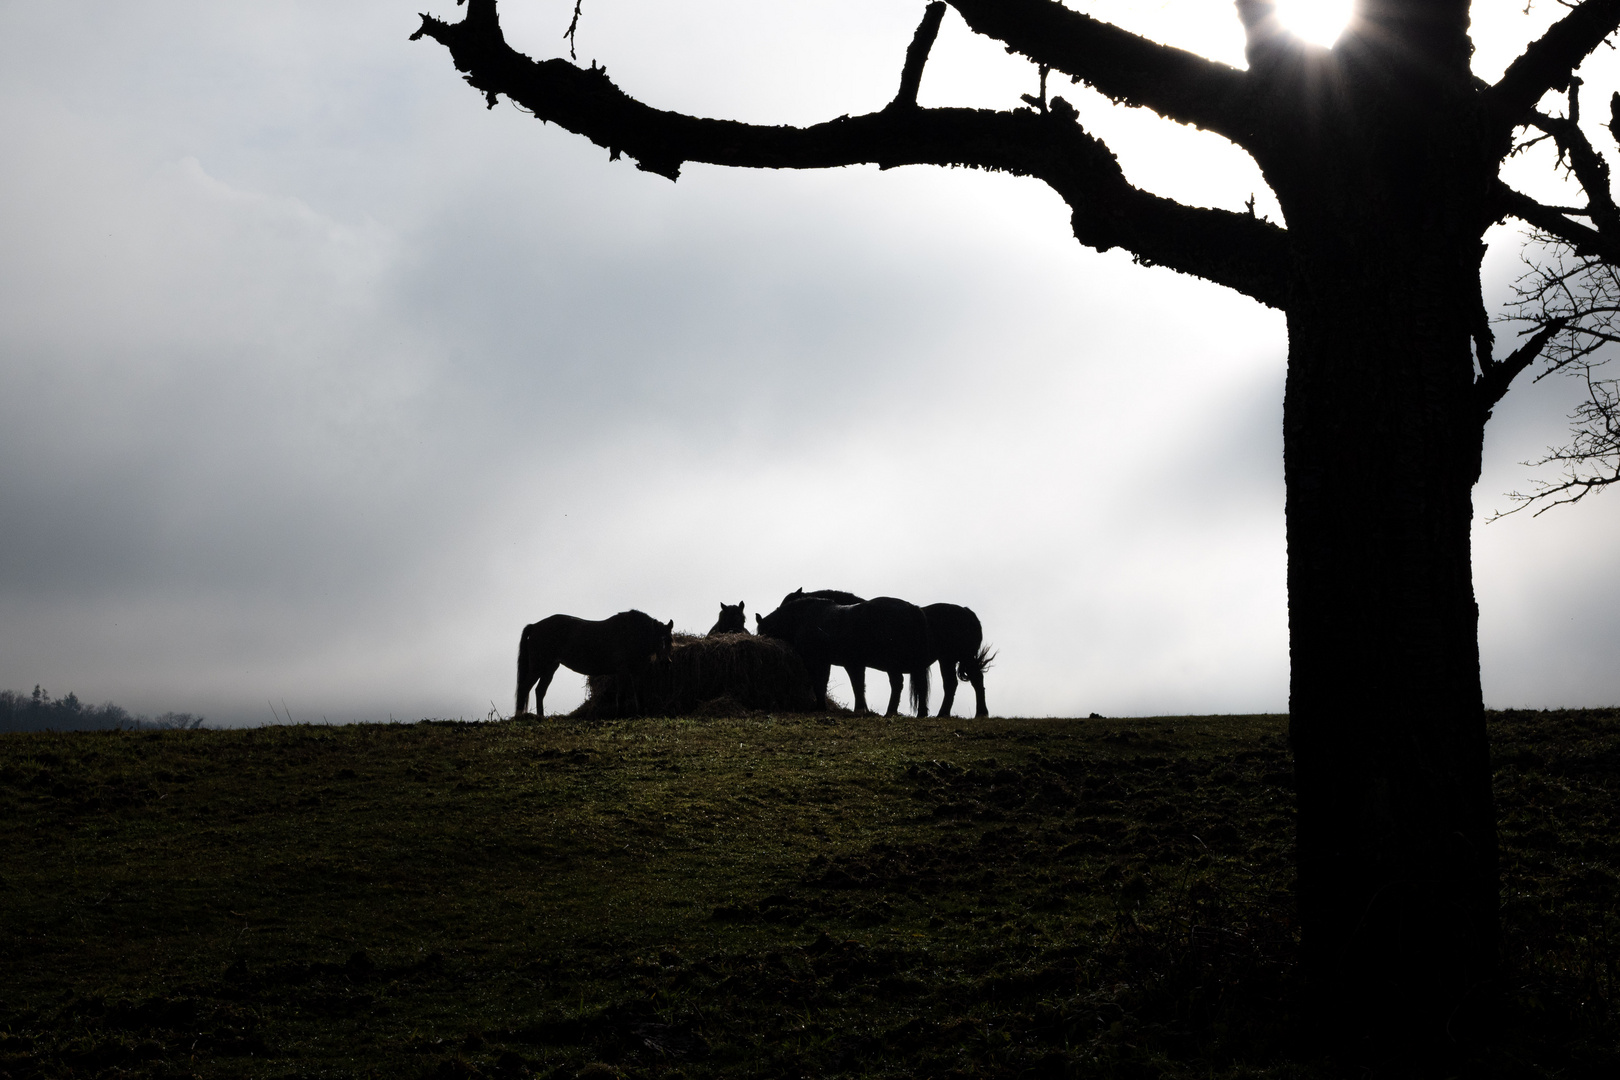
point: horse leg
(857, 686)
(543, 683)
(977, 679)
(525, 680)
(818, 678)
(527, 670)
(947, 682)
(896, 681)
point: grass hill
(777, 896)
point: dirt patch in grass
(756, 896)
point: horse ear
(758, 621)
(739, 605)
(670, 625)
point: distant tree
(1384, 153)
(38, 712)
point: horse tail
(978, 664)
(524, 668)
(919, 689)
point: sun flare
(1317, 21)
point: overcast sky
(318, 380)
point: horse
(959, 647)
(837, 596)
(884, 633)
(731, 621)
(621, 645)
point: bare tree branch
(917, 55)
(1572, 302)
(1549, 61)
(1590, 461)
(1232, 249)
(1576, 296)
(571, 34)
(1590, 170)
(1583, 239)
(1174, 83)
(1496, 377)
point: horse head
(731, 621)
(798, 611)
(772, 625)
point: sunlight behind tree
(1317, 21)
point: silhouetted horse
(731, 620)
(837, 596)
(884, 633)
(620, 645)
(959, 647)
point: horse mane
(837, 596)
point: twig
(1039, 104)
(573, 27)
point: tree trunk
(1382, 441)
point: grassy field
(799, 896)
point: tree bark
(1397, 842)
(1382, 434)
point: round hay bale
(723, 675)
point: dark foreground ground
(763, 897)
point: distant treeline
(40, 712)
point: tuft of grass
(754, 896)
